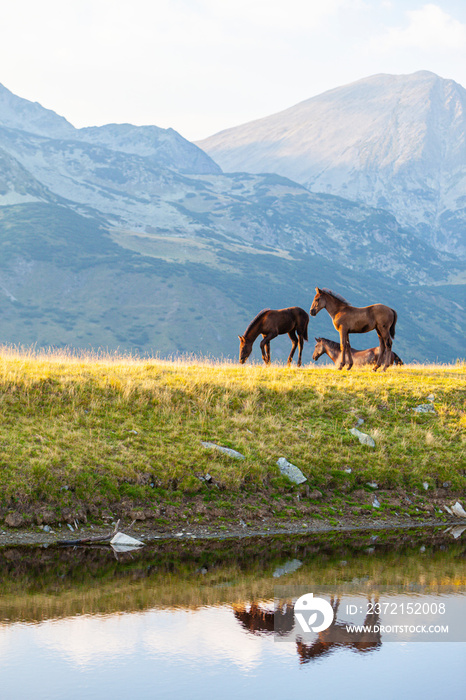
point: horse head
(245, 349)
(318, 302)
(318, 350)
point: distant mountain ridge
(133, 238)
(396, 142)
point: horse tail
(397, 360)
(392, 327)
(306, 323)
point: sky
(201, 66)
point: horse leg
(381, 350)
(301, 345)
(388, 351)
(265, 347)
(343, 344)
(349, 354)
(294, 345)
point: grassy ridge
(92, 433)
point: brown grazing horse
(355, 319)
(272, 322)
(360, 357)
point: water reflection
(196, 619)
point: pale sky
(200, 66)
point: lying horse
(354, 319)
(360, 357)
(273, 322)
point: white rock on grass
(293, 473)
(424, 408)
(362, 437)
(225, 450)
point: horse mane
(335, 295)
(256, 318)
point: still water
(200, 619)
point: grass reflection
(46, 583)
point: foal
(360, 357)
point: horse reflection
(339, 635)
(258, 620)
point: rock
(425, 485)
(14, 520)
(225, 450)
(431, 397)
(424, 408)
(137, 515)
(375, 503)
(121, 539)
(372, 484)
(45, 517)
(348, 470)
(360, 422)
(362, 437)
(293, 473)
(458, 510)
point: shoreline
(148, 534)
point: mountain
(396, 142)
(132, 238)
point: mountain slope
(131, 238)
(394, 142)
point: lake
(217, 618)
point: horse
(355, 319)
(360, 357)
(273, 322)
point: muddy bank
(148, 532)
(232, 515)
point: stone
(424, 408)
(14, 520)
(458, 510)
(225, 450)
(293, 473)
(363, 438)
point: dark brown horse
(272, 322)
(354, 319)
(360, 357)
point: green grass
(84, 429)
